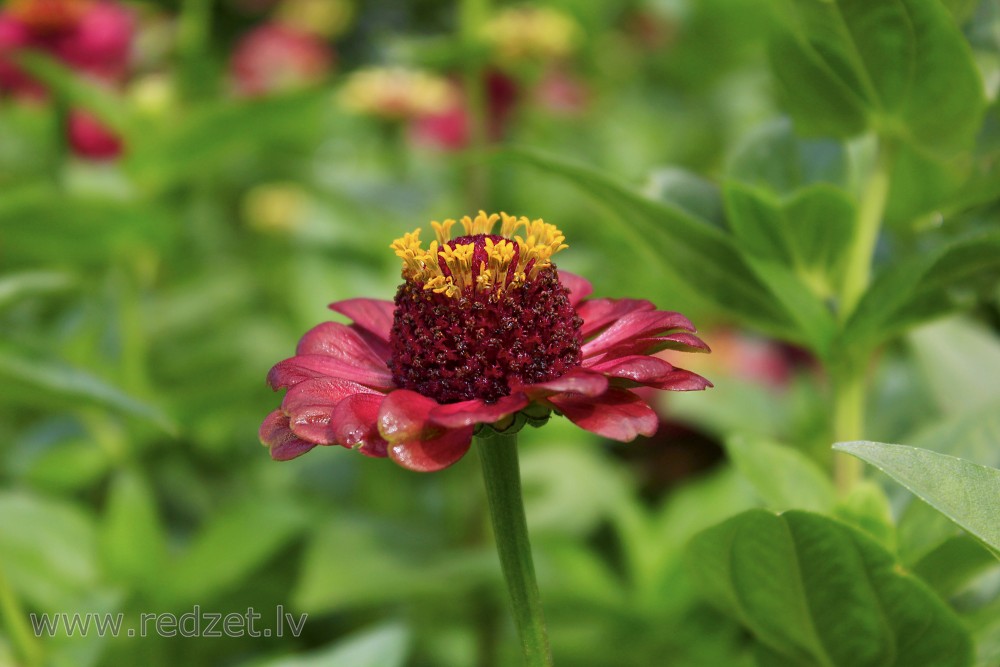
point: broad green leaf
(784, 477)
(953, 563)
(230, 548)
(27, 378)
(814, 591)
(900, 67)
(809, 231)
(921, 289)
(698, 254)
(385, 645)
(971, 436)
(960, 360)
(774, 158)
(693, 194)
(351, 563)
(821, 104)
(48, 550)
(965, 492)
(867, 508)
(133, 541)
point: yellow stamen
(540, 240)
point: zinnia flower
(484, 333)
(278, 58)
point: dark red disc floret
(479, 345)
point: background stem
(502, 475)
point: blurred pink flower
(92, 37)
(276, 58)
(450, 129)
(483, 331)
(89, 139)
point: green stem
(871, 209)
(472, 16)
(848, 424)
(503, 491)
(23, 638)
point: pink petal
(682, 342)
(373, 315)
(638, 368)
(404, 416)
(355, 424)
(579, 288)
(598, 313)
(634, 325)
(434, 454)
(290, 372)
(619, 414)
(310, 406)
(682, 380)
(577, 381)
(279, 439)
(333, 339)
(476, 411)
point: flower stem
(848, 424)
(871, 209)
(472, 14)
(503, 491)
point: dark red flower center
(484, 341)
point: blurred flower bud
(278, 58)
(153, 95)
(397, 93)
(90, 139)
(275, 207)
(530, 34)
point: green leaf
(48, 549)
(921, 289)
(900, 67)
(960, 361)
(132, 538)
(30, 379)
(85, 228)
(29, 283)
(784, 477)
(953, 563)
(814, 591)
(772, 157)
(221, 134)
(965, 492)
(230, 548)
(385, 645)
(696, 253)
(78, 90)
(809, 231)
(688, 191)
(351, 563)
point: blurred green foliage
(718, 160)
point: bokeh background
(185, 186)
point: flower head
(531, 34)
(275, 57)
(484, 333)
(396, 93)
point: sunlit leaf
(900, 67)
(965, 492)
